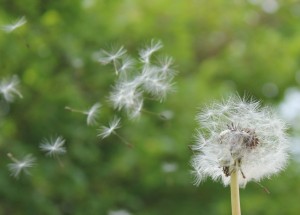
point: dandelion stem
(149, 112)
(12, 157)
(161, 116)
(24, 40)
(123, 140)
(235, 193)
(263, 187)
(61, 164)
(115, 67)
(73, 110)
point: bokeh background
(220, 47)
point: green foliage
(219, 47)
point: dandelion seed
(126, 95)
(113, 56)
(145, 53)
(165, 66)
(107, 57)
(9, 88)
(53, 146)
(135, 111)
(242, 137)
(169, 167)
(107, 131)
(126, 64)
(134, 82)
(155, 82)
(119, 212)
(92, 114)
(158, 88)
(19, 166)
(167, 115)
(9, 28)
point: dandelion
(19, 166)
(107, 131)
(9, 88)
(240, 142)
(9, 28)
(53, 146)
(146, 52)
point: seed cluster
(245, 136)
(250, 138)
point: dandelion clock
(239, 141)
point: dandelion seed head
(53, 146)
(9, 88)
(239, 135)
(11, 27)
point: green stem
(12, 158)
(153, 114)
(235, 193)
(123, 140)
(73, 110)
(61, 164)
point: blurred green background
(220, 47)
